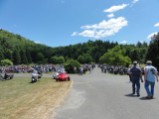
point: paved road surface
(104, 96)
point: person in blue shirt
(150, 75)
(136, 76)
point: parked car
(63, 77)
(57, 72)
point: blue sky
(64, 22)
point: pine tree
(153, 51)
(16, 57)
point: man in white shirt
(150, 75)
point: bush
(70, 65)
(6, 62)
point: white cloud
(141, 41)
(156, 25)
(111, 23)
(151, 35)
(74, 34)
(124, 42)
(90, 26)
(37, 42)
(87, 33)
(116, 8)
(135, 1)
(110, 15)
(103, 28)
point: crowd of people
(135, 73)
(113, 69)
(27, 69)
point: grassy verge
(20, 99)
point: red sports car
(63, 77)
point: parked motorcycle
(6, 76)
(36, 75)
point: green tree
(1, 55)
(135, 55)
(9, 43)
(6, 62)
(16, 57)
(115, 56)
(24, 59)
(57, 60)
(28, 56)
(153, 51)
(61, 60)
(40, 58)
(81, 59)
(70, 64)
(85, 58)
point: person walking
(150, 75)
(129, 74)
(136, 76)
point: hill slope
(23, 51)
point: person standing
(136, 76)
(150, 75)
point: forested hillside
(23, 51)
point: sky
(66, 22)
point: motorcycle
(6, 76)
(36, 75)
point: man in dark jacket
(136, 76)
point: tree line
(24, 51)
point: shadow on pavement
(130, 95)
(141, 98)
(144, 98)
